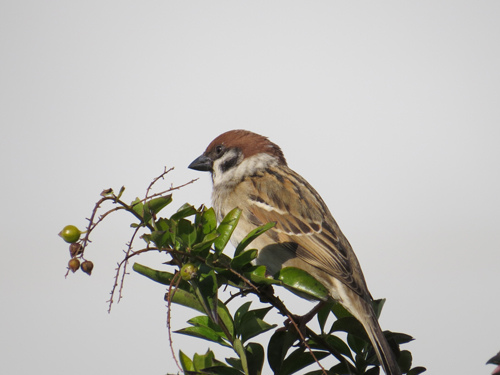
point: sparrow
(250, 172)
(495, 360)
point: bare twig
(91, 224)
(171, 188)
(125, 263)
(119, 266)
(123, 206)
(161, 176)
(170, 294)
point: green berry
(189, 271)
(70, 233)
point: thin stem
(170, 293)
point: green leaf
(208, 221)
(206, 291)
(299, 359)
(373, 371)
(225, 318)
(323, 315)
(163, 224)
(252, 325)
(138, 208)
(350, 325)
(252, 236)
(149, 208)
(147, 237)
(417, 370)
(240, 350)
(205, 243)
(161, 238)
(222, 269)
(331, 343)
(302, 283)
(404, 361)
(277, 348)
(343, 368)
(221, 370)
(397, 337)
(186, 232)
(162, 277)
(186, 363)
(235, 362)
(240, 313)
(340, 311)
(205, 321)
(166, 233)
(255, 327)
(357, 345)
(339, 345)
(377, 306)
(255, 357)
(203, 333)
(226, 229)
(318, 372)
(258, 275)
(202, 361)
(243, 259)
(155, 205)
(185, 298)
(260, 313)
(120, 193)
(185, 211)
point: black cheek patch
(230, 163)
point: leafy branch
(193, 243)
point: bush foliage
(193, 243)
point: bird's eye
(219, 149)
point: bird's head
(236, 154)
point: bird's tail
(382, 349)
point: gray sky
(390, 109)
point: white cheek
(225, 183)
(221, 178)
(246, 168)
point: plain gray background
(390, 109)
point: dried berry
(70, 233)
(87, 267)
(74, 264)
(75, 249)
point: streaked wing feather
(306, 222)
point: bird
(250, 172)
(495, 360)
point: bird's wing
(307, 222)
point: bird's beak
(202, 163)
(494, 360)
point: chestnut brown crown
(244, 141)
(248, 142)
